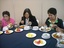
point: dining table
(19, 39)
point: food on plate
(48, 29)
(22, 26)
(38, 41)
(56, 35)
(10, 25)
(62, 42)
(17, 29)
(1, 32)
(45, 29)
(8, 31)
(30, 35)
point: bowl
(26, 27)
(46, 35)
(35, 28)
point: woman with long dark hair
(28, 18)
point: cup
(60, 43)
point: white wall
(38, 8)
(20, 5)
(7, 5)
(58, 4)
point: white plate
(18, 31)
(10, 31)
(1, 32)
(30, 35)
(57, 34)
(45, 29)
(42, 42)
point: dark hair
(6, 12)
(27, 10)
(52, 11)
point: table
(19, 40)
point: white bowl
(26, 27)
(46, 35)
(35, 28)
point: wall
(38, 8)
(58, 4)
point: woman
(28, 18)
(6, 19)
(52, 20)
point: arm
(34, 22)
(46, 22)
(22, 21)
(60, 23)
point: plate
(8, 31)
(39, 42)
(1, 32)
(56, 35)
(18, 30)
(47, 29)
(30, 35)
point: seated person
(52, 20)
(28, 18)
(6, 19)
(1, 25)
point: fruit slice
(18, 29)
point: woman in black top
(28, 18)
(52, 20)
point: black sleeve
(34, 22)
(20, 22)
(60, 23)
(47, 22)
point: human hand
(29, 23)
(22, 21)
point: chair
(63, 23)
(37, 21)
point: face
(27, 15)
(51, 16)
(6, 17)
